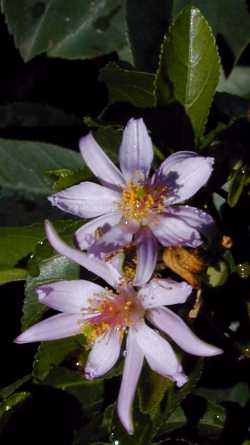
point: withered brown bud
(226, 242)
(184, 262)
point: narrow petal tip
(180, 379)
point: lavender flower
(105, 315)
(131, 206)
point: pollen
(111, 311)
(140, 201)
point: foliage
(175, 64)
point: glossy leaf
(218, 274)
(64, 177)
(52, 353)
(237, 183)
(89, 393)
(151, 391)
(33, 115)
(23, 165)
(123, 85)
(227, 17)
(12, 401)
(55, 268)
(237, 83)
(18, 242)
(10, 275)
(84, 29)
(189, 67)
(148, 21)
(109, 139)
(9, 390)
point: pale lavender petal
(104, 354)
(172, 231)
(98, 267)
(86, 200)
(53, 328)
(159, 354)
(136, 152)
(184, 175)
(147, 252)
(174, 326)
(164, 292)
(85, 236)
(117, 237)
(68, 296)
(131, 373)
(117, 261)
(171, 161)
(99, 163)
(192, 216)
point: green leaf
(214, 416)
(12, 401)
(148, 21)
(227, 17)
(237, 183)
(9, 390)
(237, 83)
(43, 250)
(109, 139)
(89, 393)
(217, 274)
(32, 114)
(64, 177)
(238, 393)
(151, 391)
(53, 353)
(189, 67)
(23, 165)
(133, 87)
(18, 242)
(10, 275)
(84, 29)
(55, 268)
(176, 420)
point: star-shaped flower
(106, 315)
(129, 205)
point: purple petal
(192, 216)
(131, 373)
(85, 236)
(104, 354)
(185, 173)
(99, 163)
(53, 328)
(159, 354)
(136, 152)
(173, 231)
(147, 252)
(164, 292)
(86, 200)
(98, 267)
(117, 237)
(68, 296)
(174, 326)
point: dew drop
(124, 353)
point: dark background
(73, 86)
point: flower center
(112, 311)
(141, 201)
